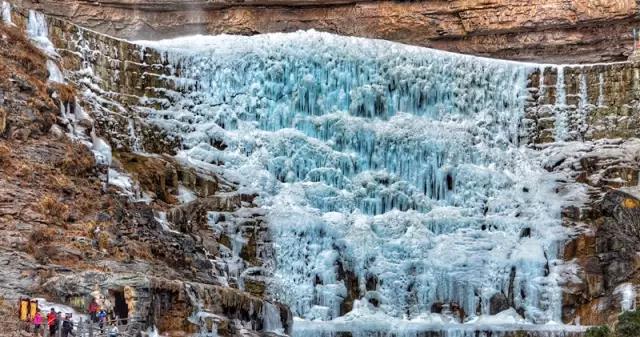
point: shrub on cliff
(599, 331)
(56, 211)
(628, 324)
(78, 161)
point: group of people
(99, 315)
(55, 321)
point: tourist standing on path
(102, 318)
(59, 321)
(114, 331)
(37, 323)
(93, 310)
(52, 322)
(67, 327)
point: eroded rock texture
(605, 221)
(549, 30)
(68, 236)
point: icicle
(6, 13)
(38, 32)
(627, 294)
(601, 92)
(135, 140)
(390, 173)
(55, 75)
(561, 122)
(583, 105)
(271, 318)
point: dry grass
(3, 120)
(5, 155)
(24, 171)
(39, 243)
(61, 182)
(78, 160)
(18, 47)
(42, 235)
(57, 211)
(66, 93)
(103, 240)
(24, 61)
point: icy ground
(400, 165)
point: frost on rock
(399, 164)
(38, 32)
(6, 13)
(627, 294)
(55, 75)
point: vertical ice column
(55, 75)
(6, 13)
(38, 32)
(37, 25)
(583, 109)
(271, 318)
(561, 110)
(601, 101)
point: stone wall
(587, 102)
(112, 76)
(556, 31)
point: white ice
(6, 13)
(185, 195)
(399, 163)
(38, 32)
(45, 306)
(627, 293)
(121, 180)
(55, 75)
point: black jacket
(67, 326)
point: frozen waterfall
(395, 184)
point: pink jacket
(37, 319)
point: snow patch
(6, 13)
(628, 294)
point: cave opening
(120, 308)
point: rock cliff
(555, 31)
(72, 230)
(164, 258)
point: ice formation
(55, 75)
(79, 124)
(6, 13)
(398, 165)
(627, 293)
(38, 32)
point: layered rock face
(565, 103)
(555, 31)
(576, 103)
(589, 104)
(586, 119)
(129, 237)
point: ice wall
(393, 175)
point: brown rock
(498, 303)
(553, 30)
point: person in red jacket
(93, 310)
(52, 322)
